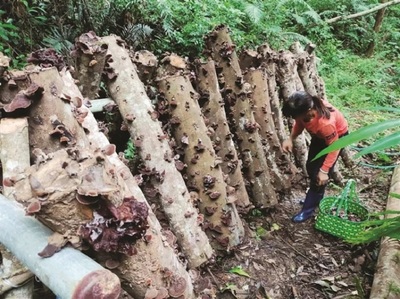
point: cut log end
(98, 284)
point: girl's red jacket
(328, 130)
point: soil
(296, 261)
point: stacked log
(213, 110)
(128, 92)
(240, 114)
(211, 145)
(202, 168)
(54, 190)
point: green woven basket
(334, 212)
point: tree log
(146, 63)
(217, 123)
(263, 116)
(267, 58)
(240, 114)
(69, 273)
(128, 92)
(289, 81)
(155, 264)
(203, 172)
(52, 125)
(14, 156)
(387, 274)
(90, 53)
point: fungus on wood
(203, 171)
(276, 159)
(141, 270)
(156, 155)
(240, 114)
(289, 82)
(212, 107)
(90, 55)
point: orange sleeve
(330, 135)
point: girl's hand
(287, 145)
(322, 178)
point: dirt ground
(285, 260)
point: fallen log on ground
(387, 274)
(203, 172)
(240, 114)
(156, 155)
(69, 273)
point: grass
(355, 84)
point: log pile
(207, 135)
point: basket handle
(349, 193)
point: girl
(325, 124)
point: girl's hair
(300, 102)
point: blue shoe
(303, 215)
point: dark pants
(313, 167)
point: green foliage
(239, 271)
(130, 152)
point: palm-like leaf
(381, 144)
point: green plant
(130, 151)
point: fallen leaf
(335, 288)
(322, 283)
(299, 270)
(239, 271)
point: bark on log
(90, 53)
(387, 273)
(4, 63)
(52, 119)
(155, 264)
(154, 258)
(267, 57)
(235, 93)
(304, 67)
(270, 118)
(263, 116)
(203, 174)
(221, 136)
(289, 82)
(146, 63)
(14, 156)
(69, 273)
(128, 92)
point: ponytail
(323, 110)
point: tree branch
(363, 13)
